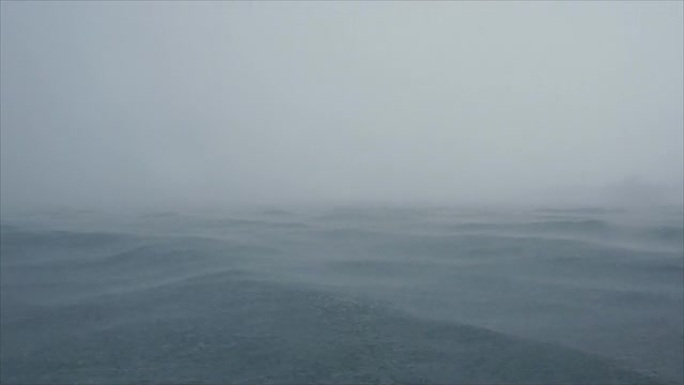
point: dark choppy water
(352, 295)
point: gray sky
(187, 103)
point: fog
(202, 104)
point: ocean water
(343, 295)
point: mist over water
(342, 192)
(345, 295)
(182, 105)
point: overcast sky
(226, 103)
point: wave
(589, 230)
(218, 328)
(578, 225)
(284, 298)
(62, 238)
(666, 233)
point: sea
(349, 294)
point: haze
(184, 104)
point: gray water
(344, 295)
